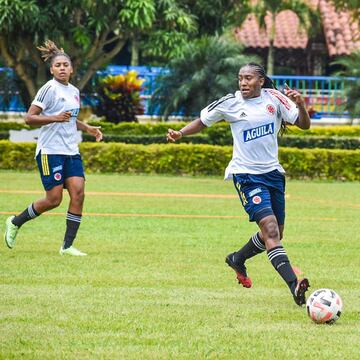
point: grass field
(155, 284)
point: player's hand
(63, 117)
(173, 135)
(95, 131)
(294, 95)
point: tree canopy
(206, 71)
(91, 32)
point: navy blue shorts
(262, 195)
(54, 169)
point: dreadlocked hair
(49, 51)
(268, 84)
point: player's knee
(78, 197)
(271, 230)
(54, 201)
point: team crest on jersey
(256, 200)
(271, 109)
(57, 176)
(77, 98)
(258, 132)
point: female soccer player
(55, 109)
(256, 114)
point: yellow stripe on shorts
(45, 164)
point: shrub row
(219, 131)
(311, 142)
(147, 139)
(189, 159)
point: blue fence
(324, 96)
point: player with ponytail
(55, 110)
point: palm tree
(206, 70)
(272, 8)
(351, 68)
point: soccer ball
(324, 306)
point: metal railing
(324, 96)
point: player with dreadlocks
(256, 114)
(55, 109)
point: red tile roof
(342, 35)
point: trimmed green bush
(189, 159)
(217, 132)
(324, 142)
(146, 139)
(6, 126)
(17, 156)
(4, 135)
(138, 129)
(221, 130)
(321, 163)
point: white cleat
(11, 231)
(71, 251)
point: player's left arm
(91, 130)
(303, 121)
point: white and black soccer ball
(324, 306)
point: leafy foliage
(351, 5)
(204, 72)
(119, 97)
(351, 68)
(92, 32)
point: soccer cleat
(71, 251)
(11, 231)
(300, 290)
(240, 270)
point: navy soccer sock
(281, 263)
(253, 247)
(72, 226)
(28, 214)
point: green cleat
(71, 251)
(11, 231)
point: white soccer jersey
(255, 124)
(58, 138)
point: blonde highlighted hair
(49, 51)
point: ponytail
(49, 51)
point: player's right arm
(33, 117)
(192, 128)
(210, 115)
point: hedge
(146, 139)
(189, 159)
(309, 142)
(218, 131)
(325, 142)
(221, 129)
(217, 135)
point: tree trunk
(134, 52)
(270, 60)
(101, 60)
(271, 52)
(16, 63)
